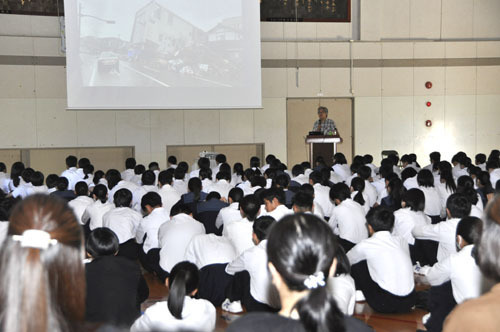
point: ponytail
(183, 280)
(358, 184)
(318, 312)
(359, 198)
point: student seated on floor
(123, 221)
(456, 278)
(115, 285)
(274, 201)
(348, 218)
(301, 251)
(181, 311)
(251, 284)
(381, 266)
(342, 285)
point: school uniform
(180, 186)
(444, 192)
(322, 198)
(149, 226)
(411, 183)
(208, 249)
(222, 187)
(79, 205)
(235, 179)
(197, 315)
(123, 221)
(300, 179)
(122, 185)
(169, 196)
(127, 174)
(349, 223)
(21, 190)
(254, 261)
(458, 171)
(206, 213)
(379, 185)
(279, 212)
(240, 235)
(115, 290)
(246, 186)
(443, 232)
(366, 206)
(405, 219)
(343, 289)
(206, 185)
(32, 190)
(383, 194)
(371, 192)
(73, 177)
(453, 280)
(389, 285)
(174, 236)
(94, 212)
(138, 193)
(433, 207)
(228, 214)
(343, 170)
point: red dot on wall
(428, 104)
(428, 84)
(428, 123)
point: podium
(322, 145)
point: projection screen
(163, 54)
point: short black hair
(81, 188)
(172, 160)
(71, 161)
(414, 199)
(51, 180)
(480, 158)
(282, 181)
(139, 169)
(204, 162)
(220, 158)
(179, 208)
(212, 195)
(165, 177)
(130, 163)
(297, 170)
(262, 226)
(303, 201)
(62, 183)
(380, 218)
(122, 198)
(255, 161)
(37, 179)
(273, 193)
(154, 166)
(223, 176)
(148, 178)
(250, 206)
(425, 178)
(340, 191)
(236, 194)
(470, 229)
(458, 205)
(367, 158)
(315, 177)
(152, 199)
(102, 241)
(205, 173)
(100, 191)
(407, 173)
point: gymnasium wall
(400, 44)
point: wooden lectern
(322, 145)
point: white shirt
(79, 205)
(443, 232)
(121, 185)
(37, 190)
(197, 315)
(73, 177)
(174, 237)
(301, 179)
(254, 260)
(240, 235)
(371, 192)
(343, 170)
(476, 212)
(383, 194)
(222, 187)
(462, 270)
(366, 206)
(138, 193)
(494, 177)
(388, 260)
(348, 221)
(128, 174)
(432, 201)
(279, 212)
(194, 174)
(235, 179)
(444, 192)
(411, 183)
(405, 219)
(149, 225)
(123, 221)
(180, 186)
(458, 171)
(4, 227)
(322, 198)
(94, 212)
(228, 214)
(335, 178)
(343, 289)
(207, 249)
(21, 190)
(379, 185)
(169, 196)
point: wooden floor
(379, 322)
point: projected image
(160, 43)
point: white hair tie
(34, 238)
(315, 280)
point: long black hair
(358, 184)
(301, 246)
(183, 280)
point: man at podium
(323, 124)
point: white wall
(389, 101)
